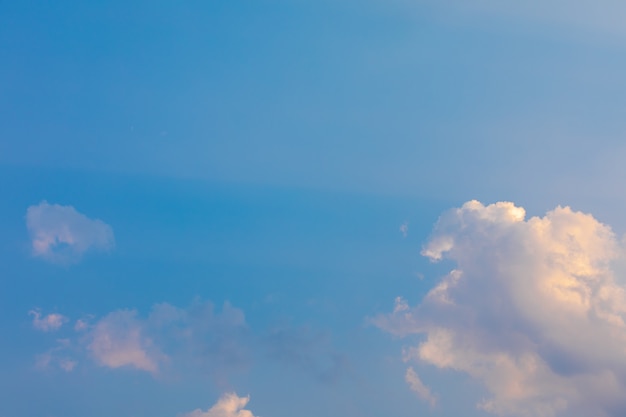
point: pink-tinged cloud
(118, 340)
(60, 234)
(229, 405)
(533, 310)
(197, 335)
(198, 338)
(419, 388)
(48, 323)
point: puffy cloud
(197, 337)
(61, 234)
(119, 340)
(533, 310)
(48, 323)
(229, 405)
(417, 386)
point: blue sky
(205, 201)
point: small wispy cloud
(83, 324)
(229, 405)
(60, 234)
(58, 356)
(404, 229)
(418, 387)
(48, 323)
(67, 365)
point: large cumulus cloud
(533, 310)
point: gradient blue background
(266, 153)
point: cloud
(533, 310)
(196, 337)
(119, 340)
(49, 323)
(60, 234)
(57, 357)
(417, 386)
(229, 405)
(404, 229)
(199, 339)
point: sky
(346, 208)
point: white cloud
(533, 310)
(417, 386)
(118, 340)
(49, 323)
(61, 234)
(229, 405)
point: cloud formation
(533, 311)
(196, 337)
(229, 405)
(119, 340)
(418, 387)
(48, 323)
(60, 234)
